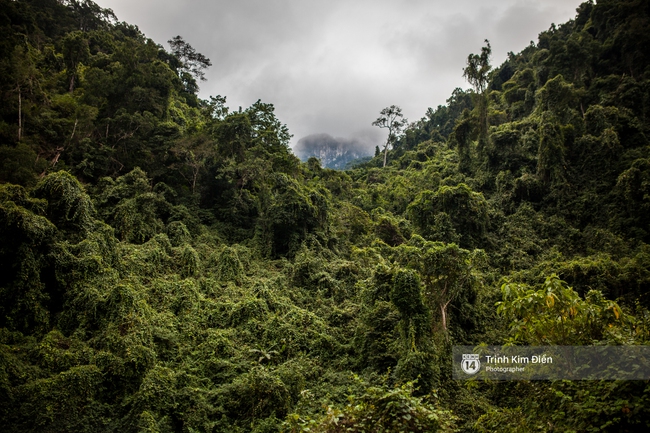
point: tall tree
(89, 15)
(392, 119)
(24, 76)
(477, 74)
(448, 275)
(192, 154)
(193, 64)
(75, 52)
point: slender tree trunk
(444, 317)
(59, 150)
(195, 175)
(74, 128)
(443, 312)
(385, 153)
(20, 114)
(443, 309)
(483, 121)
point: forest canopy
(168, 265)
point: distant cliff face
(333, 152)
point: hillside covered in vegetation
(167, 265)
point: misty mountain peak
(333, 152)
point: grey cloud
(330, 66)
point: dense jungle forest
(168, 265)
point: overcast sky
(331, 66)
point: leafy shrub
(378, 409)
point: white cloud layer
(330, 66)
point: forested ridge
(168, 265)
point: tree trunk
(483, 122)
(385, 153)
(443, 311)
(59, 150)
(195, 175)
(20, 114)
(74, 129)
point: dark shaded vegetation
(167, 265)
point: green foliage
(139, 211)
(550, 160)
(19, 165)
(169, 265)
(449, 212)
(65, 401)
(556, 315)
(391, 230)
(68, 205)
(634, 184)
(477, 74)
(295, 212)
(178, 233)
(558, 97)
(405, 293)
(448, 274)
(229, 266)
(25, 237)
(378, 409)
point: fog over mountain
(334, 152)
